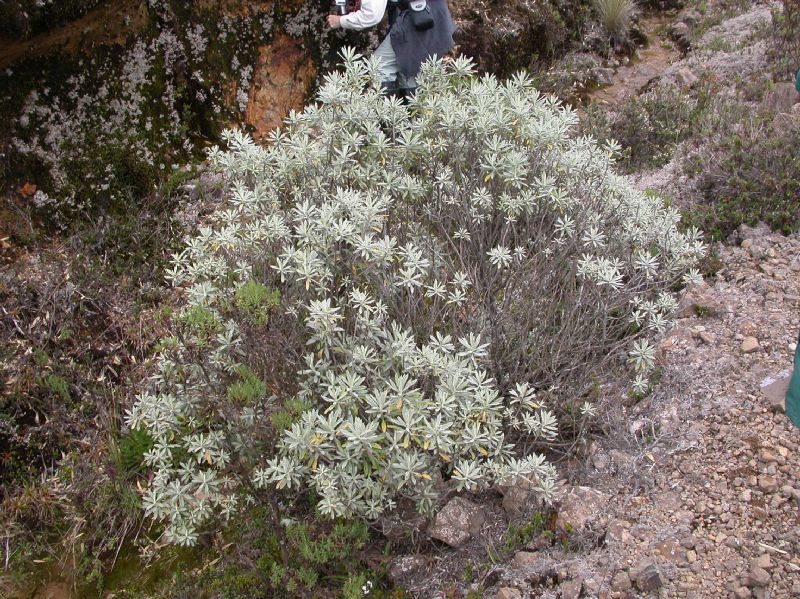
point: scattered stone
(603, 76)
(749, 345)
(708, 338)
(685, 78)
(508, 593)
(774, 390)
(621, 582)
(763, 561)
(767, 483)
(406, 565)
(571, 589)
(742, 593)
(578, 506)
(758, 577)
(649, 578)
(457, 522)
(765, 454)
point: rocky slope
(695, 492)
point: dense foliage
(752, 176)
(452, 268)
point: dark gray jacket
(413, 47)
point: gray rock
(648, 578)
(774, 390)
(685, 78)
(621, 582)
(762, 561)
(696, 303)
(516, 499)
(402, 567)
(603, 76)
(571, 589)
(782, 98)
(457, 522)
(742, 593)
(758, 577)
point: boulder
(603, 76)
(774, 389)
(404, 566)
(457, 522)
(685, 78)
(578, 506)
(571, 589)
(648, 578)
(698, 302)
(781, 99)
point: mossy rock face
(105, 105)
(21, 19)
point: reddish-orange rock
(281, 81)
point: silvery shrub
(450, 274)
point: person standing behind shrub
(418, 29)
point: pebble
(758, 577)
(749, 345)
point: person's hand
(334, 21)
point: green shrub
(785, 49)
(456, 270)
(751, 174)
(56, 385)
(323, 561)
(257, 301)
(648, 127)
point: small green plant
(57, 385)
(516, 536)
(248, 390)
(257, 301)
(132, 448)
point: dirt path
(648, 64)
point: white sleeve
(370, 14)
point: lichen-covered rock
(457, 522)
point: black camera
(339, 7)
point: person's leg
(407, 86)
(387, 67)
